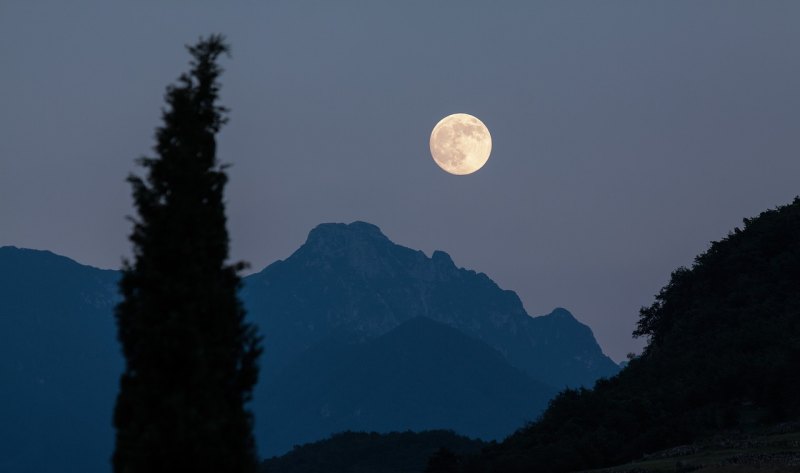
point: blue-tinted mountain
(353, 278)
(420, 375)
(342, 290)
(59, 363)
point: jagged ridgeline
(360, 334)
(723, 352)
(352, 279)
(365, 334)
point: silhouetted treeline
(359, 452)
(723, 352)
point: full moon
(460, 144)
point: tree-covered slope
(723, 352)
(361, 452)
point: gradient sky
(626, 135)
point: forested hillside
(356, 452)
(723, 353)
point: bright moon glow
(460, 144)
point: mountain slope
(723, 353)
(421, 375)
(59, 363)
(353, 278)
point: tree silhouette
(191, 359)
(443, 461)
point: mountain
(723, 356)
(341, 297)
(421, 375)
(353, 278)
(59, 363)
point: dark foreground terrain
(770, 450)
(723, 355)
(361, 452)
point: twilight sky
(626, 135)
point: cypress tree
(191, 359)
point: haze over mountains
(359, 334)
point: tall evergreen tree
(191, 359)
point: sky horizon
(625, 137)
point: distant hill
(359, 452)
(421, 375)
(723, 354)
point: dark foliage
(190, 356)
(443, 461)
(723, 352)
(360, 452)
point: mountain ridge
(344, 269)
(61, 328)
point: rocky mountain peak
(442, 259)
(352, 278)
(561, 313)
(358, 245)
(362, 248)
(345, 233)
